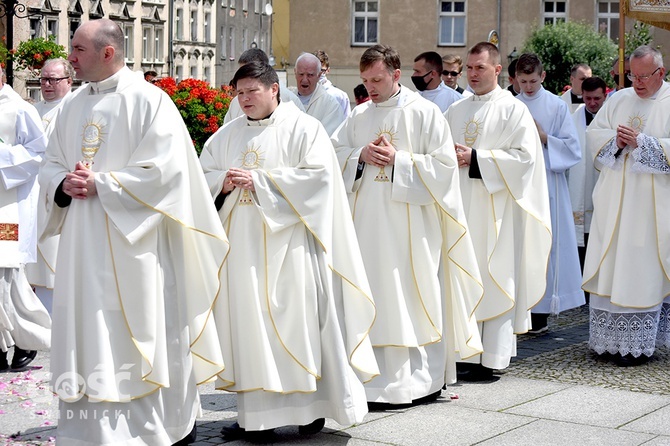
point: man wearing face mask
(426, 78)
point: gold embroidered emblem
(9, 232)
(389, 134)
(91, 140)
(471, 131)
(251, 159)
(637, 122)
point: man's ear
(108, 53)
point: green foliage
(4, 52)
(638, 36)
(31, 54)
(565, 44)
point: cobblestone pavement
(557, 358)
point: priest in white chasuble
(139, 255)
(627, 266)
(504, 189)
(295, 309)
(399, 167)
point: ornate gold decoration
(9, 232)
(471, 131)
(251, 159)
(390, 137)
(637, 122)
(91, 140)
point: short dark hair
(251, 55)
(257, 70)
(432, 60)
(487, 47)
(594, 83)
(529, 63)
(577, 66)
(360, 92)
(511, 69)
(378, 52)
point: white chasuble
(628, 257)
(295, 308)
(561, 152)
(138, 266)
(508, 207)
(413, 235)
(325, 108)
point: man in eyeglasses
(56, 82)
(426, 79)
(24, 322)
(627, 262)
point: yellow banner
(653, 12)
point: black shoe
(4, 365)
(22, 358)
(630, 360)
(190, 438)
(427, 399)
(478, 373)
(312, 428)
(235, 432)
(539, 323)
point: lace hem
(649, 156)
(607, 157)
(629, 333)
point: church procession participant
(426, 78)
(341, 96)
(504, 189)
(251, 55)
(452, 69)
(317, 102)
(561, 151)
(55, 83)
(399, 166)
(24, 322)
(139, 255)
(627, 262)
(573, 96)
(295, 307)
(583, 175)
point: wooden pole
(622, 42)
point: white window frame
(454, 17)
(606, 18)
(51, 22)
(158, 44)
(224, 42)
(128, 42)
(207, 28)
(193, 21)
(179, 25)
(366, 16)
(146, 43)
(554, 17)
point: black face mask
(420, 81)
(626, 82)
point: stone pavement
(556, 392)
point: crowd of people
(317, 260)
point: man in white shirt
(573, 96)
(426, 78)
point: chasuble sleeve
(19, 162)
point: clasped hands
(237, 177)
(626, 136)
(80, 183)
(379, 153)
(463, 155)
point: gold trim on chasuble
(389, 133)
(637, 121)
(251, 159)
(91, 140)
(9, 232)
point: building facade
(345, 28)
(194, 49)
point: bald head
(307, 72)
(97, 50)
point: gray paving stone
(592, 406)
(653, 423)
(546, 432)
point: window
(35, 28)
(452, 23)
(554, 12)
(194, 71)
(208, 19)
(146, 43)
(245, 5)
(231, 38)
(158, 44)
(52, 27)
(179, 18)
(257, 6)
(179, 74)
(194, 25)
(224, 43)
(245, 38)
(206, 74)
(128, 42)
(608, 19)
(365, 20)
(74, 24)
